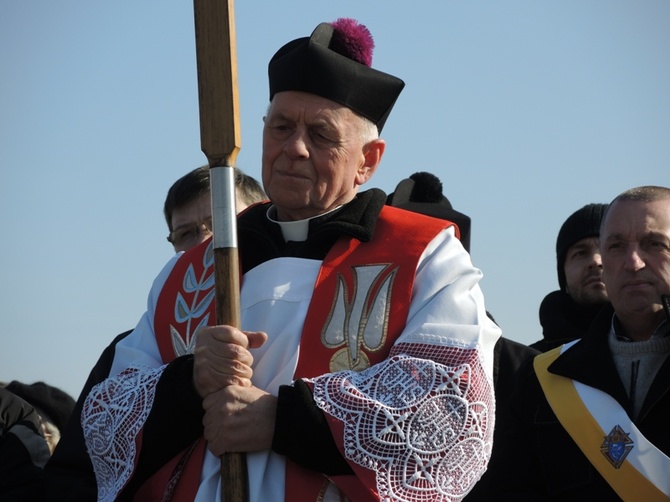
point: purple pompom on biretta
(352, 39)
(334, 62)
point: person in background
(566, 314)
(364, 370)
(23, 449)
(31, 420)
(592, 416)
(53, 405)
(423, 193)
(188, 215)
(188, 206)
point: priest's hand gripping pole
(220, 140)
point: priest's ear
(373, 152)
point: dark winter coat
(563, 320)
(23, 449)
(542, 462)
(508, 356)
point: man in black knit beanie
(567, 313)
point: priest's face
(316, 153)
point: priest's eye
(615, 245)
(658, 245)
(322, 137)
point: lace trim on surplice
(425, 428)
(113, 415)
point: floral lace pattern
(425, 428)
(113, 414)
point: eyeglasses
(187, 236)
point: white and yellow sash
(631, 464)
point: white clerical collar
(296, 231)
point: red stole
(399, 241)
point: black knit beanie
(55, 405)
(583, 223)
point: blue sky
(525, 109)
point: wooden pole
(220, 140)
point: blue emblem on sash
(616, 446)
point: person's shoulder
(545, 345)
(254, 211)
(253, 219)
(515, 348)
(400, 216)
(109, 350)
(554, 300)
(120, 337)
(510, 355)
